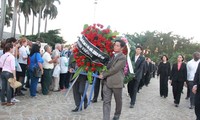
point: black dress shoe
(176, 105)
(187, 98)
(85, 106)
(24, 89)
(191, 107)
(116, 118)
(76, 109)
(94, 101)
(131, 106)
(20, 94)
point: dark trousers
(27, 84)
(147, 78)
(96, 89)
(177, 87)
(188, 90)
(197, 103)
(141, 84)
(132, 90)
(192, 96)
(46, 81)
(64, 82)
(78, 90)
(163, 86)
(6, 89)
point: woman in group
(23, 56)
(164, 72)
(35, 59)
(7, 63)
(177, 78)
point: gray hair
(57, 45)
(46, 47)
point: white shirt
(47, 57)
(22, 54)
(191, 69)
(136, 57)
(56, 53)
(27, 50)
(64, 64)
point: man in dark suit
(79, 85)
(149, 71)
(196, 91)
(138, 69)
(113, 83)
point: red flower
(99, 37)
(93, 69)
(88, 64)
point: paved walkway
(149, 106)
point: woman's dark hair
(11, 40)
(7, 47)
(122, 43)
(35, 49)
(164, 56)
(181, 56)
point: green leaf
(85, 26)
(89, 76)
(104, 68)
(80, 69)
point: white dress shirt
(136, 57)
(22, 54)
(191, 69)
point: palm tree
(50, 10)
(16, 7)
(34, 9)
(41, 4)
(2, 22)
(25, 8)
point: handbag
(36, 69)
(14, 83)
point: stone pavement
(149, 106)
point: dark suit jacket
(197, 77)
(115, 74)
(179, 75)
(138, 67)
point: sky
(182, 17)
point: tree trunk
(39, 21)
(25, 25)
(13, 31)
(33, 23)
(2, 20)
(19, 25)
(45, 27)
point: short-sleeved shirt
(9, 64)
(22, 54)
(34, 59)
(64, 64)
(56, 53)
(47, 57)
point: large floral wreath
(100, 39)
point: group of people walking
(181, 73)
(18, 58)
